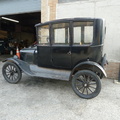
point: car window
(82, 33)
(43, 35)
(60, 34)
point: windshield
(43, 35)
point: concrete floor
(43, 99)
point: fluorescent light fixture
(9, 19)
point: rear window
(82, 33)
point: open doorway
(21, 33)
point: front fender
(24, 66)
(89, 65)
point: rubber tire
(18, 70)
(96, 78)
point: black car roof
(67, 20)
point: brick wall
(44, 11)
(112, 70)
(48, 10)
(52, 4)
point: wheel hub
(12, 73)
(85, 85)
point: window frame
(43, 44)
(52, 34)
(72, 24)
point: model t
(67, 49)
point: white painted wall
(108, 9)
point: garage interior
(21, 33)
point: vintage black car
(67, 49)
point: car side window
(82, 33)
(60, 34)
(43, 35)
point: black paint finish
(44, 56)
(68, 56)
(61, 56)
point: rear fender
(24, 66)
(89, 65)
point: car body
(67, 49)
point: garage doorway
(21, 33)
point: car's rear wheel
(11, 72)
(86, 84)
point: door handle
(69, 53)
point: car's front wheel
(11, 72)
(86, 84)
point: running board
(50, 73)
(36, 71)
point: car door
(44, 48)
(61, 49)
(83, 35)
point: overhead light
(9, 19)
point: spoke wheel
(86, 84)
(11, 72)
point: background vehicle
(68, 49)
